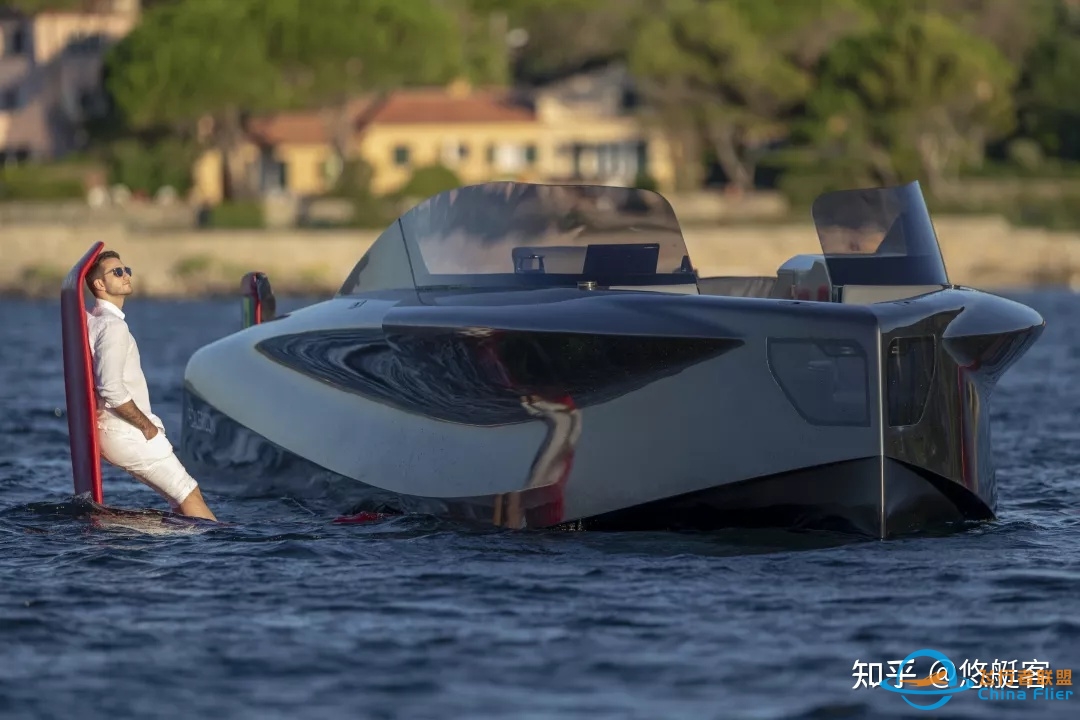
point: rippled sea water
(284, 614)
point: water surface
(287, 615)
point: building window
(530, 154)
(9, 99)
(14, 157)
(82, 43)
(93, 103)
(16, 44)
(401, 155)
(491, 154)
(273, 174)
(453, 152)
(576, 151)
(642, 157)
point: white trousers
(151, 462)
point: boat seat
(737, 286)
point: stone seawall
(983, 252)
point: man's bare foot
(194, 506)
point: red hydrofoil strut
(79, 380)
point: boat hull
(859, 496)
(871, 419)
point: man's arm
(110, 353)
(131, 412)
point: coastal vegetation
(797, 96)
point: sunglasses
(119, 272)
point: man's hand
(130, 411)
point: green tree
(564, 35)
(708, 68)
(1048, 105)
(327, 58)
(1012, 26)
(485, 40)
(918, 95)
(195, 67)
(804, 30)
(148, 166)
(201, 66)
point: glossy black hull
(840, 497)
(844, 497)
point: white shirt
(118, 375)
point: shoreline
(320, 294)
(983, 252)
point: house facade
(51, 75)
(580, 129)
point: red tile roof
(304, 126)
(441, 106)
(288, 128)
(404, 106)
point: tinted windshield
(879, 236)
(508, 234)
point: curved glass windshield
(879, 236)
(508, 234)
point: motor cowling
(258, 304)
(804, 277)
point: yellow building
(575, 130)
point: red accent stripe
(960, 378)
(79, 380)
(257, 299)
(963, 433)
(360, 517)
(251, 291)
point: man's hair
(95, 272)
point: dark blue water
(287, 615)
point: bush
(354, 180)
(192, 266)
(1022, 209)
(237, 215)
(645, 181)
(1047, 168)
(42, 279)
(42, 182)
(1052, 214)
(1025, 153)
(802, 187)
(148, 166)
(428, 181)
(354, 184)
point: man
(130, 435)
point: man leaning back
(131, 437)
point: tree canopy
(879, 90)
(199, 65)
(919, 97)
